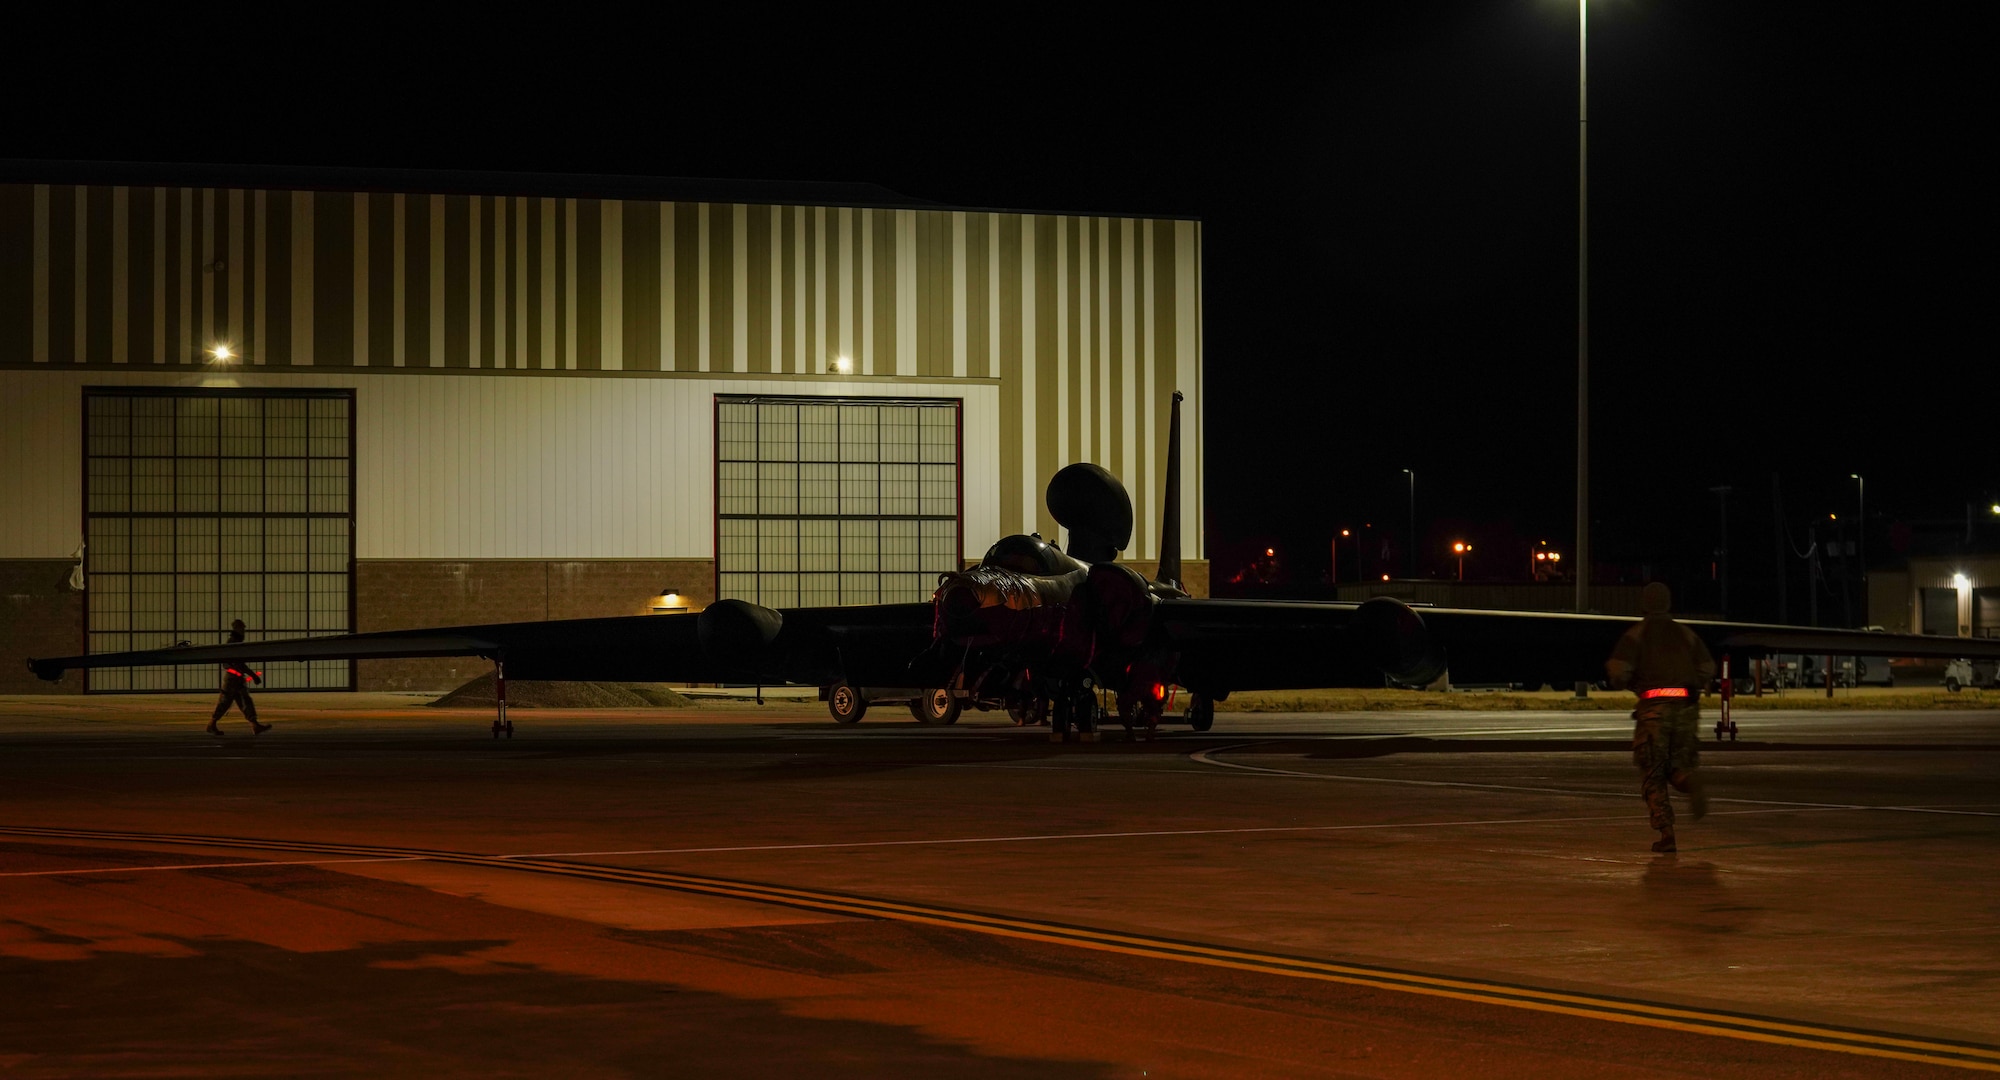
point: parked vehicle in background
(1983, 675)
(1792, 671)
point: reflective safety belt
(1665, 691)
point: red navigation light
(1270, 551)
(1159, 692)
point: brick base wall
(40, 615)
(415, 594)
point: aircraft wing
(730, 641)
(1228, 645)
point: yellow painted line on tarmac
(1718, 1023)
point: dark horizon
(1784, 225)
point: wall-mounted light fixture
(840, 365)
(669, 600)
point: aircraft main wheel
(1201, 712)
(1035, 714)
(937, 707)
(846, 704)
(1951, 685)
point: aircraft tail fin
(1170, 524)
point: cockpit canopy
(1028, 555)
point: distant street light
(1543, 566)
(1459, 549)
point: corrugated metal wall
(480, 466)
(1088, 323)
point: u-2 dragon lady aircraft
(1045, 631)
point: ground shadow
(401, 1009)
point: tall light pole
(1722, 549)
(1582, 306)
(1862, 494)
(1412, 546)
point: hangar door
(824, 501)
(204, 506)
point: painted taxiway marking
(942, 842)
(1733, 1025)
(1207, 757)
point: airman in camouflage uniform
(1668, 667)
(236, 676)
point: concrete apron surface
(1844, 875)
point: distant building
(341, 401)
(1948, 580)
(1938, 594)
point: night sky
(1791, 247)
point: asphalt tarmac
(377, 888)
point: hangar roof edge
(832, 193)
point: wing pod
(1394, 638)
(737, 634)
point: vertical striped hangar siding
(1088, 323)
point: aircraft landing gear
(1725, 728)
(1034, 714)
(1201, 712)
(1075, 715)
(500, 721)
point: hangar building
(333, 402)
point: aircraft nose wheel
(1725, 728)
(500, 726)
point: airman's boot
(1665, 844)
